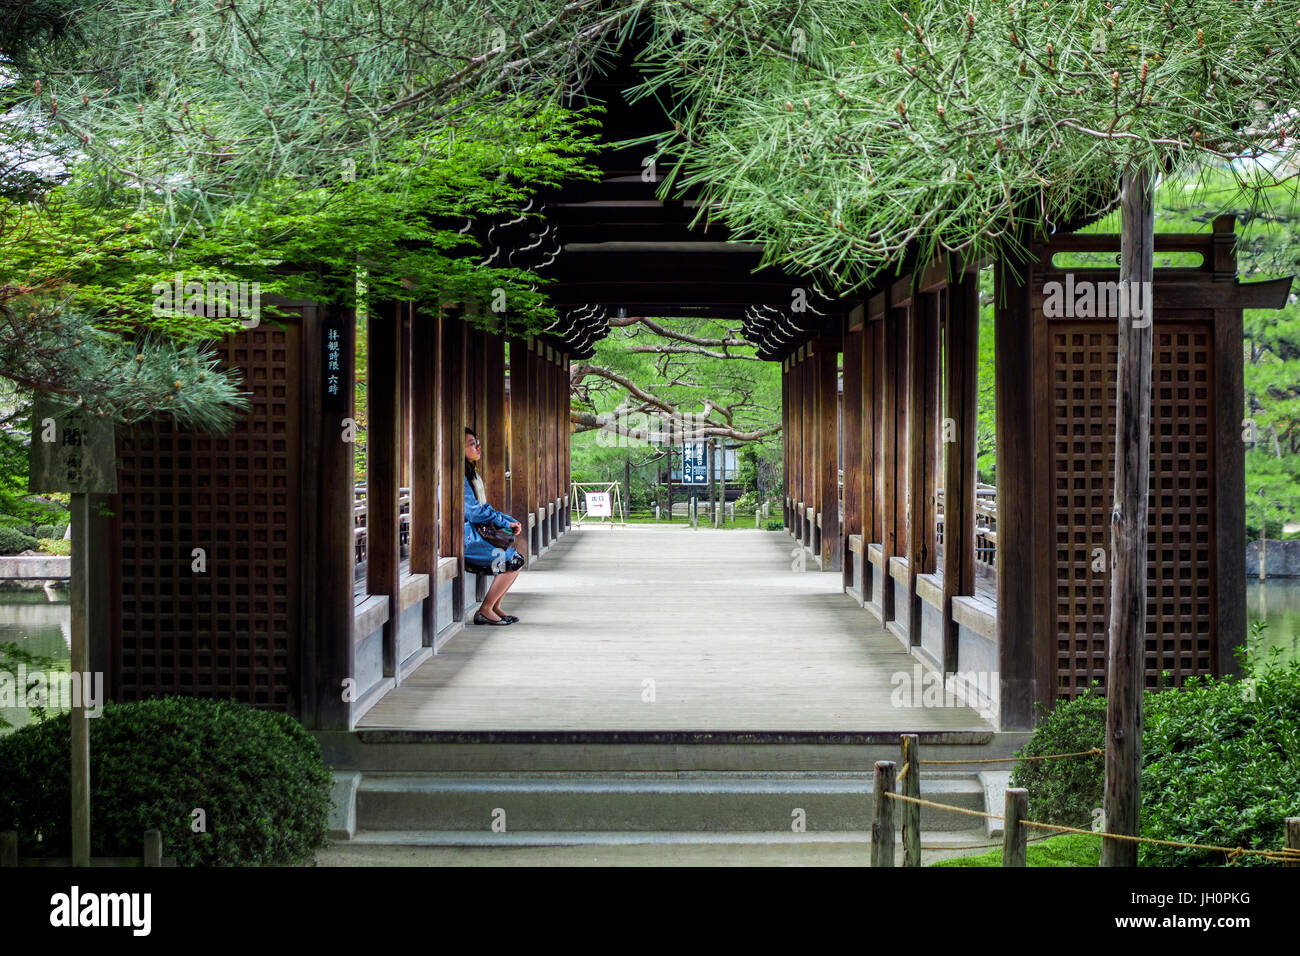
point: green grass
(1069, 849)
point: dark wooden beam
(383, 465)
(961, 373)
(1018, 387)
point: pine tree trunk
(1128, 592)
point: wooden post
(911, 760)
(825, 369)
(882, 829)
(1023, 636)
(890, 376)
(1014, 833)
(383, 467)
(851, 519)
(153, 848)
(1126, 662)
(520, 444)
(453, 452)
(1292, 839)
(79, 576)
(961, 371)
(328, 446)
(8, 848)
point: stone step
(970, 840)
(667, 751)
(635, 802)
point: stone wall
(1281, 559)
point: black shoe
(480, 619)
(509, 618)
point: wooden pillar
(851, 520)
(383, 467)
(1024, 623)
(891, 375)
(494, 419)
(1127, 633)
(1230, 464)
(537, 471)
(922, 447)
(455, 356)
(808, 493)
(521, 437)
(961, 372)
(825, 370)
(566, 443)
(328, 535)
(870, 448)
(424, 355)
(786, 439)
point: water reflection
(39, 622)
(1276, 601)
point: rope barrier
(1095, 751)
(1233, 852)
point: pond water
(39, 622)
(1277, 603)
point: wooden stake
(153, 848)
(1014, 834)
(882, 829)
(1128, 583)
(1292, 838)
(80, 628)
(911, 757)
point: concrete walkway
(668, 628)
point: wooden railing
(359, 512)
(986, 528)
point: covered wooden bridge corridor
(345, 603)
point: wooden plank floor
(730, 636)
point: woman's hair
(470, 471)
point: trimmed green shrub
(1220, 763)
(44, 531)
(13, 541)
(1065, 791)
(258, 776)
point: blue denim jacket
(478, 551)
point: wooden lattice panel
(1180, 572)
(232, 631)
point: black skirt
(514, 564)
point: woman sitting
(481, 556)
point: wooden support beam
(1126, 637)
(825, 365)
(892, 378)
(1230, 463)
(851, 520)
(383, 465)
(493, 434)
(454, 361)
(521, 437)
(328, 452)
(872, 441)
(1024, 635)
(425, 354)
(961, 374)
(922, 353)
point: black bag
(497, 537)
